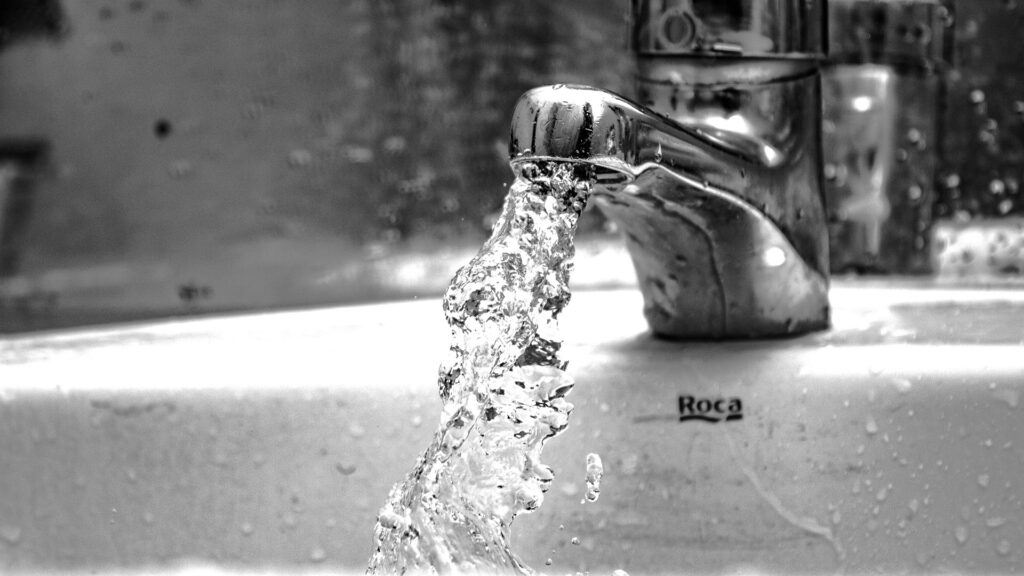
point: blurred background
(175, 157)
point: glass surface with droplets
(503, 387)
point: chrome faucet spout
(715, 253)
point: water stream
(503, 388)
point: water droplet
(977, 96)
(549, 562)
(902, 384)
(180, 169)
(574, 541)
(995, 522)
(318, 554)
(871, 427)
(10, 534)
(299, 158)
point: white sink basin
(893, 442)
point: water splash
(503, 388)
(595, 470)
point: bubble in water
(549, 562)
(574, 541)
(983, 480)
(355, 430)
(246, 528)
(961, 534)
(595, 470)
(620, 572)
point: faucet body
(716, 183)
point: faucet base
(711, 266)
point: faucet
(716, 179)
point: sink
(893, 442)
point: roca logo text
(711, 410)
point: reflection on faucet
(723, 218)
(880, 164)
(860, 131)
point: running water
(503, 389)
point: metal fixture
(716, 182)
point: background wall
(204, 155)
